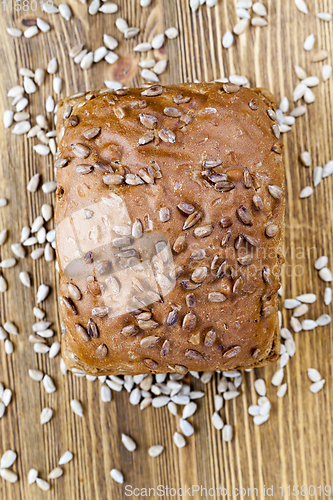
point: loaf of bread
(169, 227)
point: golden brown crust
(213, 147)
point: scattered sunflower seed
(8, 475)
(65, 11)
(306, 192)
(65, 458)
(301, 6)
(179, 440)
(171, 33)
(77, 409)
(55, 473)
(30, 32)
(128, 442)
(7, 459)
(46, 415)
(317, 386)
(328, 296)
(117, 476)
(15, 32)
(325, 274)
(32, 476)
(326, 72)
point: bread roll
(169, 225)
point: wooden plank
(295, 445)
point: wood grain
(295, 445)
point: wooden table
(295, 446)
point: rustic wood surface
(295, 446)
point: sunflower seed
(260, 419)
(112, 84)
(41, 348)
(306, 192)
(260, 387)
(179, 440)
(48, 384)
(42, 293)
(305, 158)
(326, 72)
(21, 128)
(7, 397)
(131, 32)
(325, 16)
(186, 427)
(39, 76)
(314, 375)
(9, 347)
(49, 104)
(128, 442)
(309, 96)
(10, 328)
(33, 183)
(300, 310)
(240, 27)
(323, 320)
(78, 58)
(155, 451)
(311, 81)
(143, 47)
(32, 476)
(3, 284)
(243, 13)
(37, 253)
(42, 149)
(301, 6)
(77, 409)
(277, 377)
(25, 278)
(319, 56)
(36, 375)
(66, 457)
(54, 350)
(307, 298)
(40, 326)
(7, 459)
(227, 433)
(325, 274)
(171, 33)
(49, 187)
(30, 32)
(105, 394)
(317, 386)
(8, 475)
(8, 118)
(158, 41)
(15, 32)
(57, 472)
(321, 262)
(3, 236)
(99, 54)
(121, 24)
(87, 60)
(328, 296)
(149, 75)
(328, 169)
(299, 92)
(117, 476)
(309, 324)
(109, 8)
(217, 421)
(46, 415)
(93, 7)
(65, 11)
